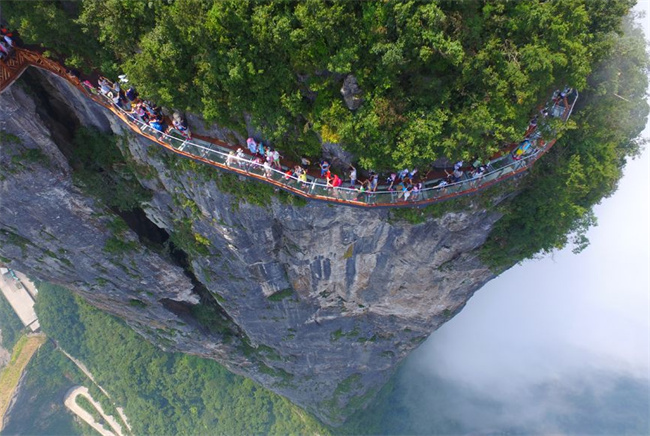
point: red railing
(218, 153)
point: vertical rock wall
(321, 301)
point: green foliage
(351, 382)
(454, 79)
(344, 387)
(212, 319)
(86, 405)
(11, 326)
(281, 295)
(191, 242)
(338, 334)
(52, 24)
(59, 316)
(256, 193)
(165, 393)
(183, 202)
(31, 155)
(555, 207)
(291, 199)
(115, 245)
(8, 138)
(106, 403)
(103, 172)
(12, 238)
(117, 23)
(21, 160)
(420, 215)
(137, 303)
(118, 226)
(242, 189)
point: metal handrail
(313, 188)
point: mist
(557, 345)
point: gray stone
(338, 293)
(351, 92)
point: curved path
(70, 402)
(88, 374)
(216, 153)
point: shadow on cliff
(100, 168)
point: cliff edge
(315, 302)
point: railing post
(24, 58)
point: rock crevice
(305, 298)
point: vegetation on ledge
(555, 206)
(450, 79)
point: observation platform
(217, 153)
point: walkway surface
(221, 154)
(71, 403)
(27, 283)
(22, 301)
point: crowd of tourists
(558, 107)
(143, 110)
(406, 184)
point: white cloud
(529, 337)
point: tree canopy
(452, 79)
(555, 207)
(164, 393)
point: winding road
(71, 403)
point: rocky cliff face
(316, 302)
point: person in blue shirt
(158, 125)
(252, 146)
(324, 167)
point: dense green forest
(164, 393)
(454, 79)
